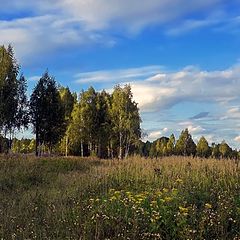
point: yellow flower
(179, 180)
(208, 206)
(183, 210)
(128, 193)
(158, 193)
(168, 199)
(117, 194)
(113, 198)
(174, 191)
(112, 190)
(165, 190)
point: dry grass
(73, 198)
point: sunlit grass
(168, 198)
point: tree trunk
(37, 143)
(120, 146)
(127, 149)
(66, 147)
(81, 148)
(99, 150)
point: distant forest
(90, 123)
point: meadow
(137, 198)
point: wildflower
(112, 190)
(179, 180)
(168, 199)
(208, 206)
(154, 202)
(183, 211)
(117, 193)
(159, 193)
(165, 190)
(113, 198)
(174, 191)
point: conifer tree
(203, 150)
(47, 114)
(171, 145)
(185, 145)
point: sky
(181, 57)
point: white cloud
(237, 139)
(165, 130)
(153, 135)
(44, 34)
(157, 94)
(52, 25)
(156, 89)
(192, 128)
(195, 129)
(189, 84)
(34, 78)
(131, 15)
(233, 112)
(119, 76)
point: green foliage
(185, 145)
(23, 145)
(171, 145)
(72, 198)
(13, 100)
(203, 150)
(47, 113)
(225, 150)
(4, 143)
(161, 146)
(68, 100)
(104, 125)
(215, 150)
(125, 120)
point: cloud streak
(117, 76)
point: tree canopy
(95, 123)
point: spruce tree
(47, 113)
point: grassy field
(169, 198)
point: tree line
(90, 123)
(164, 146)
(185, 146)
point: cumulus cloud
(156, 89)
(154, 135)
(237, 139)
(192, 128)
(159, 92)
(167, 89)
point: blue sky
(181, 57)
